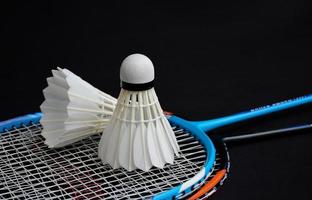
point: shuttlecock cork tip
(137, 73)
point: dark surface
(210, 60)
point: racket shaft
(261, 111)
(266, 133)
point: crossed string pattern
(30, 170)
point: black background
(210, 59)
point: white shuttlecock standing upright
(73, 109)
(139, 135)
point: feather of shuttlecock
(73, 109)
(139, 135)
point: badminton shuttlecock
(73, 109)
(138, 135)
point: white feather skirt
(138, 135)
(73, 109)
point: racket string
(30, 169)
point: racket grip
(19, 121)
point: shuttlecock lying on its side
(138, 135)
(73, 109)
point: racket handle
(261, 111)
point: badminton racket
(29, 169)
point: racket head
(31, 170)
(219, 174)
(222, 165)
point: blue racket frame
(198, 128)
